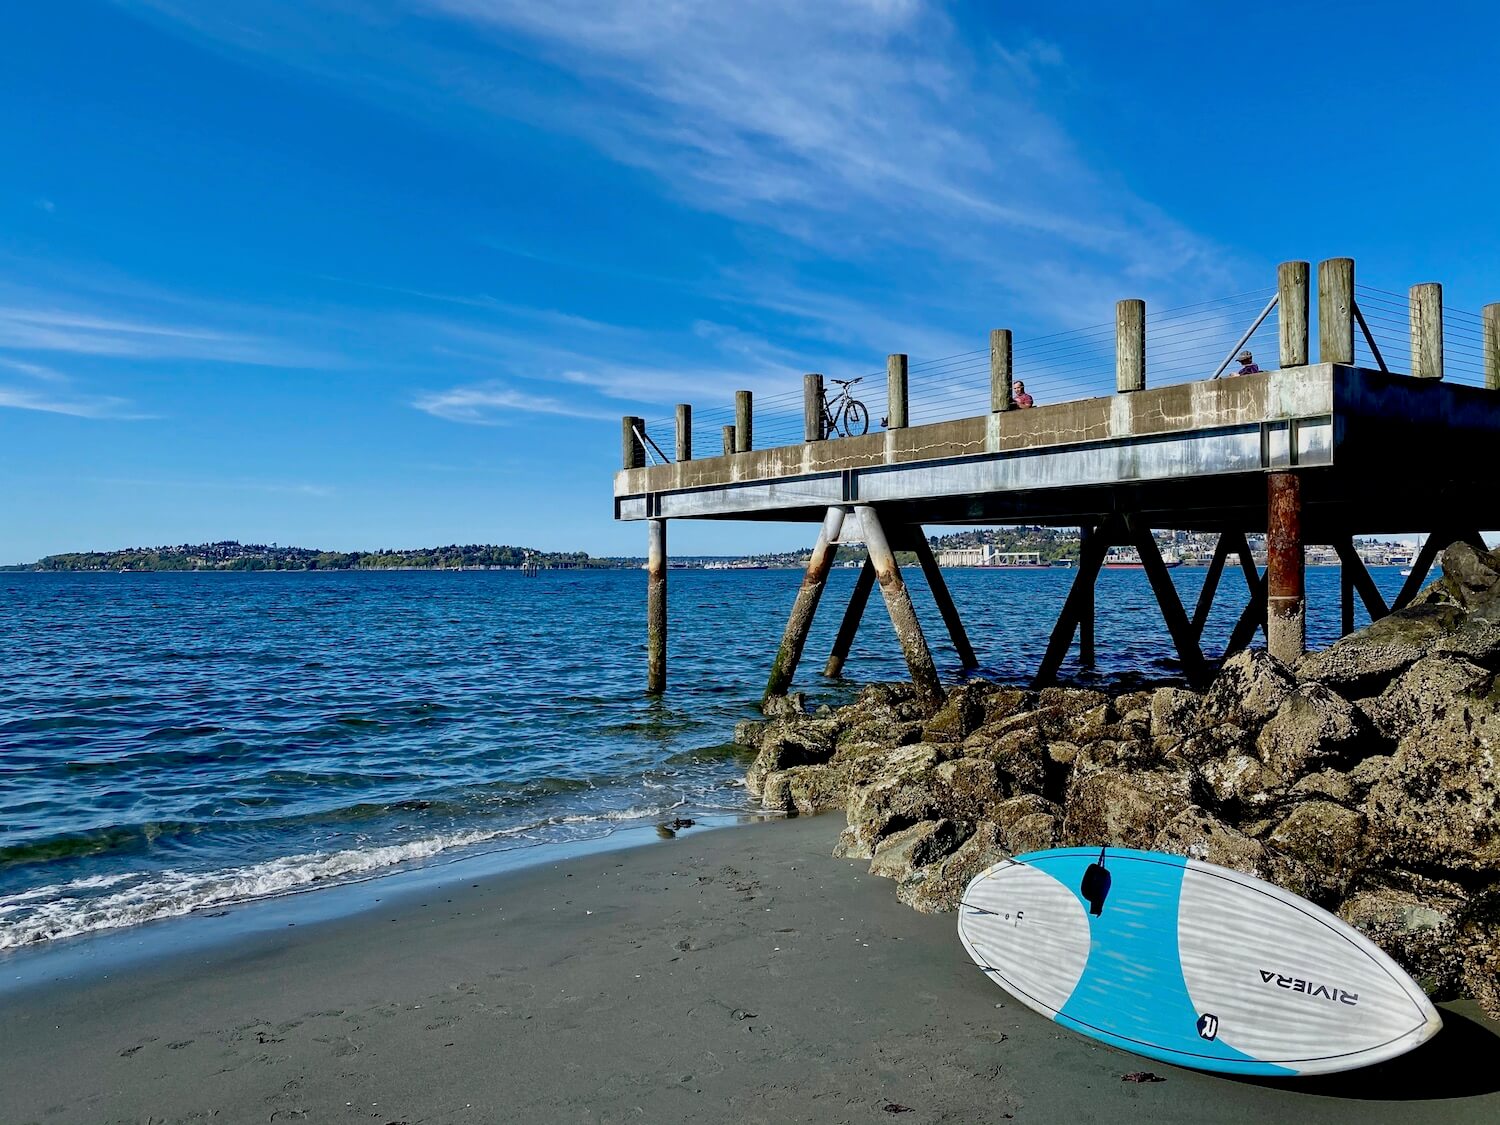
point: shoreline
(718, 974)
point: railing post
(1427, 330)
(1002, 370)
(1291, 304)
(812, 408)
(1336, 311)
(742, 431)
(728, 440)
(684, 431)
(1130, 345)
(895, 391)
(632, 451)
(1492, 347)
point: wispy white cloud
(493, 404)
(52, 392)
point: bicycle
(844, 414)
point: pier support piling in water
(1092, 549)
(853, 613)
(898, 605)
(656, 606)
(1086, 612)
(789, 653)
(1286, 597)
(941, 595)
(1178, 625)
(1359, 582)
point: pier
(1313, 450)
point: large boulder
(817, 789)
(1421, 934)
(1198, 834)
(927, 842)
(939, 886)
(1249, 688)
(1235, 786)
(782, 706)
(785, 744)
(1437, 805)
(901, 794)
(1174, 715)
(1121, 809)
(1472, 579)
(970, 788)
(1020, 754)
(1481, 953)
(1312, 729)
(1363, 663)
(1424, 693)
(1325, 843)
(960, 715)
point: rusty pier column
(1286, 600)
(656, 606)
(789, 654)
(898, 603)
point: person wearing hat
(1247, 364)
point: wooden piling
(895, 391)
(944, 599)
(728, 432)
(1336, 311)
(742, 427)
(1292, 280)
(1492, 347)
(684, 431)
(853, 613)
(632, 450)
(1002, 370)
(1427, 330)
(812, 408)
(1130, 345)
(898, 605)
(805, 607)
(1286, 601)
(656, 606)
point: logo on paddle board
(1208, 1026)
(1321, 991)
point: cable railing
(1187, 343)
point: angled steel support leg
(789, 654)
(852, 616)
(1176, 618)
(898, 604)
(917, 542)
(1091, 551)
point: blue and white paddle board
(1189, 963)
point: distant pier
(1310, 452)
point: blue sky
(364, 273)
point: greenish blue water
(175, 742)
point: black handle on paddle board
(1095, 885)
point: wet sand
(738, 974)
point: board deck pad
(1189, 963)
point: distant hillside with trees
(233, 555)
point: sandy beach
(737, 974)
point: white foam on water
(65, 910)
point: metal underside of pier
(1375, 452)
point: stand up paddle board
(1189, 963)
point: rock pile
(1366, 778)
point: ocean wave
(77, 907)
